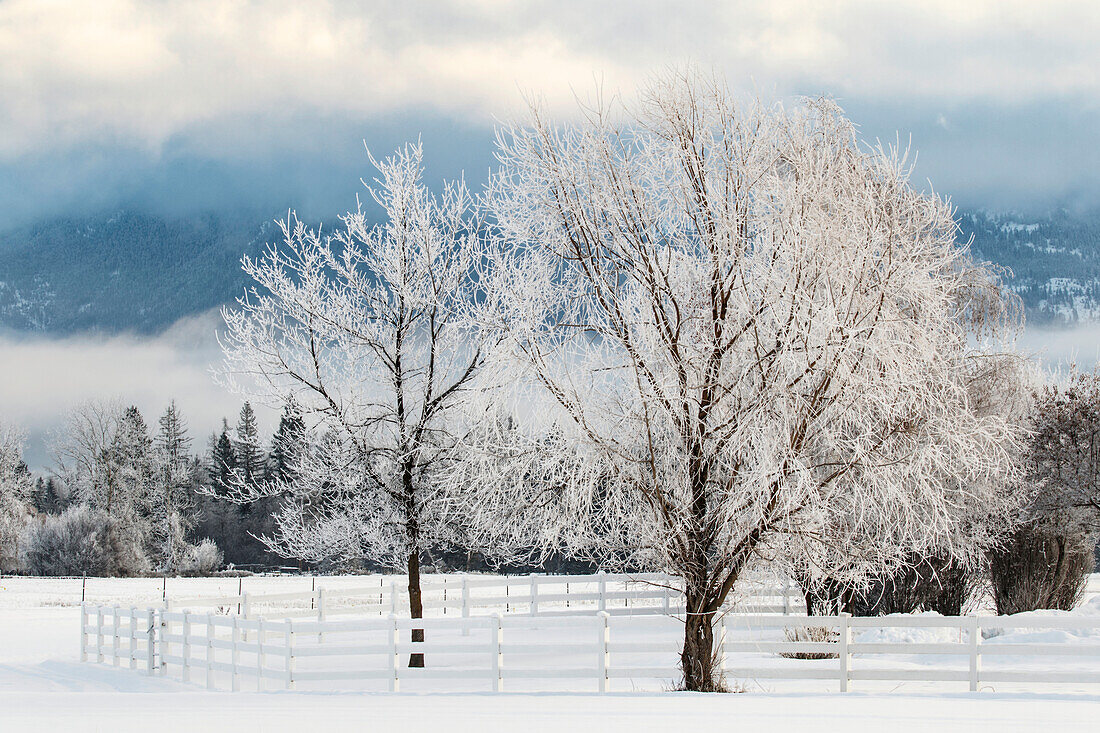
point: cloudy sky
(210, 104)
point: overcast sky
(210, 104)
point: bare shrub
(814, 634)
(1036, 569)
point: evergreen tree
(287, 444)
(16, 489)
(223, 461)
(172, 441)
(250, 457)
(133, 452)
(171, 501)
(133, 468)
(47, 497)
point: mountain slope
(122, 272)
(133, 272)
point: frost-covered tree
(367, 328)
(1064, 455)
(754, 332)
(16, 490)
(104, 455)
(941, 578)
(84, 456)
(170, 500)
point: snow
(43, 686)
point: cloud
(1059, 349)
(265, 103)
(44, 378)
(145, 71)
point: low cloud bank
(1058, 349)
(43, 378)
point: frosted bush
(80, 541)
(70, 544)
(202, 559)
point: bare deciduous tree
(369, 330)
(755, 333)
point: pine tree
(131, 465)
(16, 489)
(287, 444)
(223, 461)
(47, 497)
(172, 441)
(171, 501)
(133, 452)
(250, 458)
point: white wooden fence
(466, 596)
(589, 651)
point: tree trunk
(698, 660)
(416, 606)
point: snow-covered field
(43, 686)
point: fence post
(83, 632)
(722, 662)
(497, 641)
(320, 613)
(975, 660)
(151, 642)
(260, 654)
(787, 597)
(604, 627)
(116, 657)
(534, 597)
(210, 651)
(465, 604)
(289, 662)
(132, 651)
(845, 639)
(235, 684)
(165, 647)
(393, 597)
(186, 675)
(603, 591)
(99, 634)
(246, 610)
(395, 660)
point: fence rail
(536, 595)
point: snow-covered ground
(44, 687)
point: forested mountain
(1054, 260)
(135, 272)
(123, 271)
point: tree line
(125, 498)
